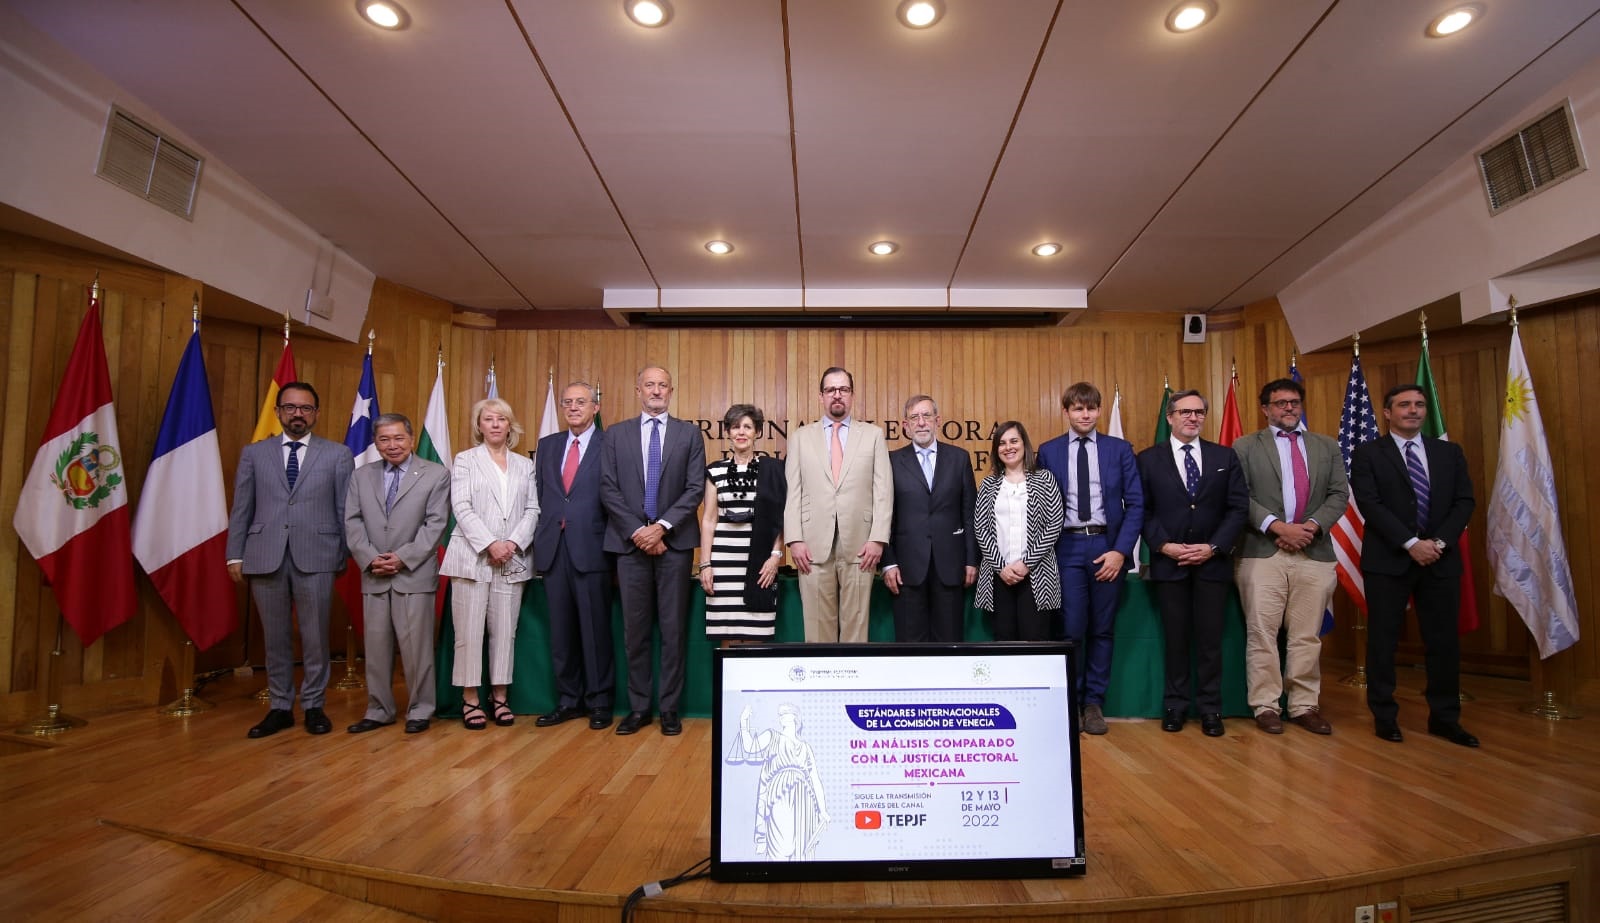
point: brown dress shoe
(1313, 721)
(1270, 722)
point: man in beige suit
(837, 519)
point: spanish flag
(267, 424)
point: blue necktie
(927, 466)
(292, 470)
(1191, 471)
(652, 472)
(394, 489)
(1419, 483)
(1084, 501)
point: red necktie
(1300, 480)
(569, 468)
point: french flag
(181, 533)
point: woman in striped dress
(741, 542)
(1017, 519)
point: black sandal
(502, 713)
(473, 722)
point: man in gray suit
(394, 514)
(652, 477)
(1286, 566)
(286, 535)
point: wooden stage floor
(142, 817)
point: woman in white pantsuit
(496, 508)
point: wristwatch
(1438, 543)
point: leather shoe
(632, 723)
(1311, 719)
(1454, 733)
(416, 725)
(599, 719)
(1094, 720)
(1211, 724)
(671, 725)
(1172, 720)
(367, 724)
(1388, 730)
(551, 719)
(276, 720)
(1270, 722)
(317, 722)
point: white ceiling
(515, 154)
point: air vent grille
(137, 158)
(1538, 155)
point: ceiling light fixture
(1191, 15)
(882, 247)
(1454, 20)
(1049, 249)
(648, 13)
(920, 14)
(385, 14)
(719, 247)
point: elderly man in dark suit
(1416, 496)
(932, 555)
(652, 476)
(394, 515)
(568, 548)
(1195, 508)
(286, 536)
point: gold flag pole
(53, 721)
(188, 703)
(1358, 679)
(353, 678)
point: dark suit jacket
(683, 484)
(1382, 489)
(1120, 487)
(269, 520)
(932, 527)
(772, 492)
(581, 510)
(1215, 515)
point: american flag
(1357, 424)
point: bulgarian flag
(1467, 615)
(73, 512)
(434, 445)
(267, 423)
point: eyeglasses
(921, 417)
(574, 402)
(837, 392)
(1286, 405)
(1188, 412)
(298, 408)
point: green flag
(1433, 426)
(434, 444)
(1163, 433)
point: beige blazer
(482, 518)
(858, 509)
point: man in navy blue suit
(567, 549)
(1104, 502)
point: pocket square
(959, 532)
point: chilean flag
(181, 533)
(73, 512)
(359, 440)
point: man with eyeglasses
(286, 537)
(932, 555)
(1286, 564)
(837, 517)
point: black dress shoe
(276, 720)
(1388, 730)
(633, 722)
(1211, 724)
(1172, 720)
(551, 719)
(317, 722)
(365, 725)
(599, 719)
(416, 725)
(1454, 733)
(671, 725)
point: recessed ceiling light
(719, 247)
(648, 13)
(1049, 249)
(1191, 15)
(1454, 20)
(385, 14)
(882, 247)
(920, 14)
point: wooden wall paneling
(17, 292)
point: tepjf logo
(84, 472)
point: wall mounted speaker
(1194, 328)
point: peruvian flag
(181, 533)
(73, 511)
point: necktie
(1084, 501)
(1419, 483)
(292, 470)
(1299, 478)
(569, 468)
(927, 465)
(1191, 471)
(394, 490)
(836, 453)
(652, 472)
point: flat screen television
(894, 761)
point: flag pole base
(1551, 710)
(265, 695)
(186, 705)
(51, 723)
(352, 678)
(1358, 679)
